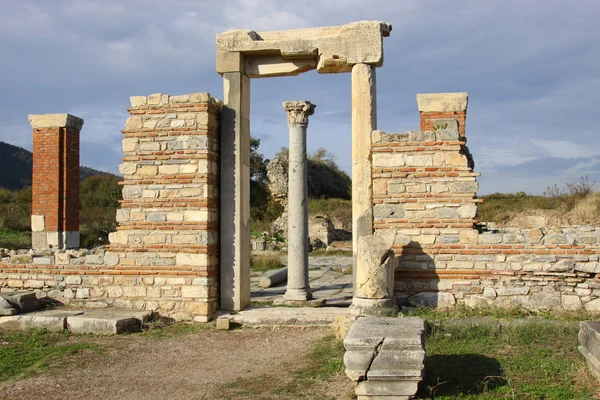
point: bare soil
(205, 365)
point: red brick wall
(55, 180)
(427, 118)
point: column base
(55, 240)
(375, 307)
(299, 303)
(297, 294)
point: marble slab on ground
(287, 316)
(51, 320)
(108, 321)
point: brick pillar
(55, 181)
(434, 106)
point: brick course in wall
(164, 254)
(424, 196)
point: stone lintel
(265, 66)
(39, 121)
(335, 48)
(443, 102)
(298, 111)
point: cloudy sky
(531, 68)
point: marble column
(364, 122)
(235, 192)
(297, 284)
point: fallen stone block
(223, 323)
(397, 390)
(589, 345)
(22, 301)
(51, 320)
(105, 322)
(272, 278)
(6, 308)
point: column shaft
(235, 192)
(364, 121)
(297, 286)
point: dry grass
(575, 204)
(266, 261)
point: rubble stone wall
(164, 254)
(424, 200)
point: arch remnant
(245, 54)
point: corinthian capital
(298, 111)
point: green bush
(99, 199)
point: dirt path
(193, 366)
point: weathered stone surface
(593, 306)
(337, 49)
(589, 345)
(273, 277)
(562, 266)
(388, 211)
(432, 299)
(6, 308)
(23, 301)
(442, 102)
(375, 268)
(51, 320)
(40, 121)
(105, 322)
(385, 355)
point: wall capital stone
(442, 102)
(298, 111)
(55, 121)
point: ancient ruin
(182, 247)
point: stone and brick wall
(164, 254)
(424, 199)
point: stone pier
(297, 284)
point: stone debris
(6, 308)
(589, 345)
(273, 277)
(105, 322)
(100, 322)
(385, 357)
(22, 301)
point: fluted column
(297, 284)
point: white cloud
(529, 65)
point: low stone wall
(425, 204)
(549, 268)
(95, 279)
(164, 255)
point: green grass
(534, 360)
(12, 239)
(462, 311)
(24, 353)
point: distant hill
(16, 167)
